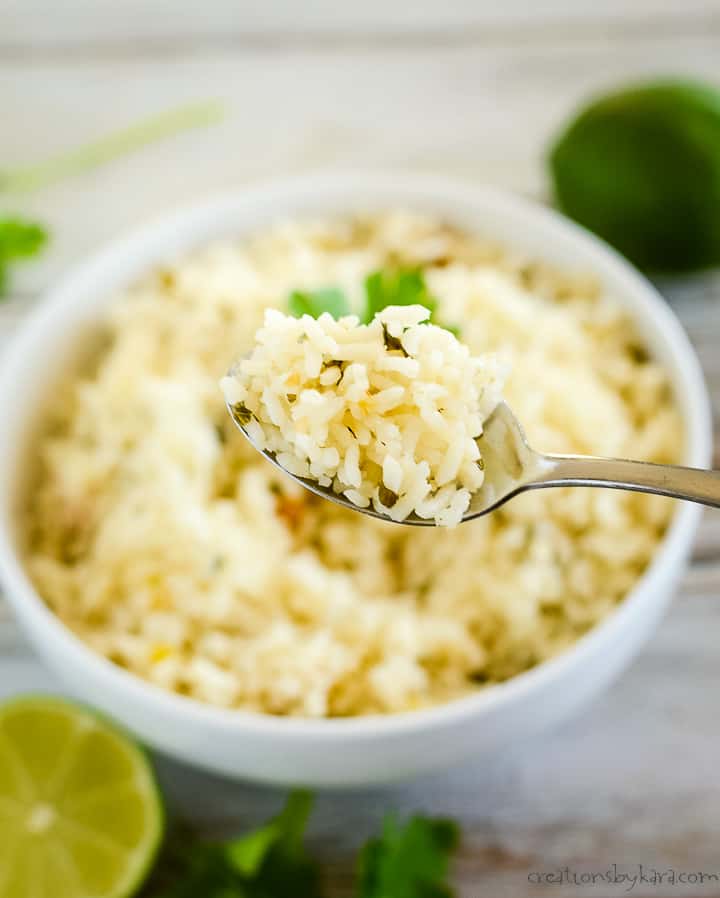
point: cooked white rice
(387, 413)
(171, 547)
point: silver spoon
(512, 467)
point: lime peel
(641, 168)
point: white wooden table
(465, 87)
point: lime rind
(641, 168)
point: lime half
(80, 812)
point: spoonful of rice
(398, 420)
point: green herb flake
(334, 363)
(386, 496)
(479, 677)
(408, 861)
(315, 302)
(638, 353)
(392, 343)
(241, 413)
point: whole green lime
(641, 168)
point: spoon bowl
(512, 467)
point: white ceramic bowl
(370, 749)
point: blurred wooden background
(470, 88)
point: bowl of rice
(173, 577)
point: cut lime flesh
(80, 811)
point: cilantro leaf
(246, 854)
(269, 862)
(19, 239)
(408, 861)
(315, 302)
(389, 287)
(273, 857)
(386, 287)
(396, 288)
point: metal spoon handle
(693, 484)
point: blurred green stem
(159, 127)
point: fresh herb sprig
(407, 860)
(269, 862)
(21, 239)
(383, 288)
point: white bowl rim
(156, 700)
